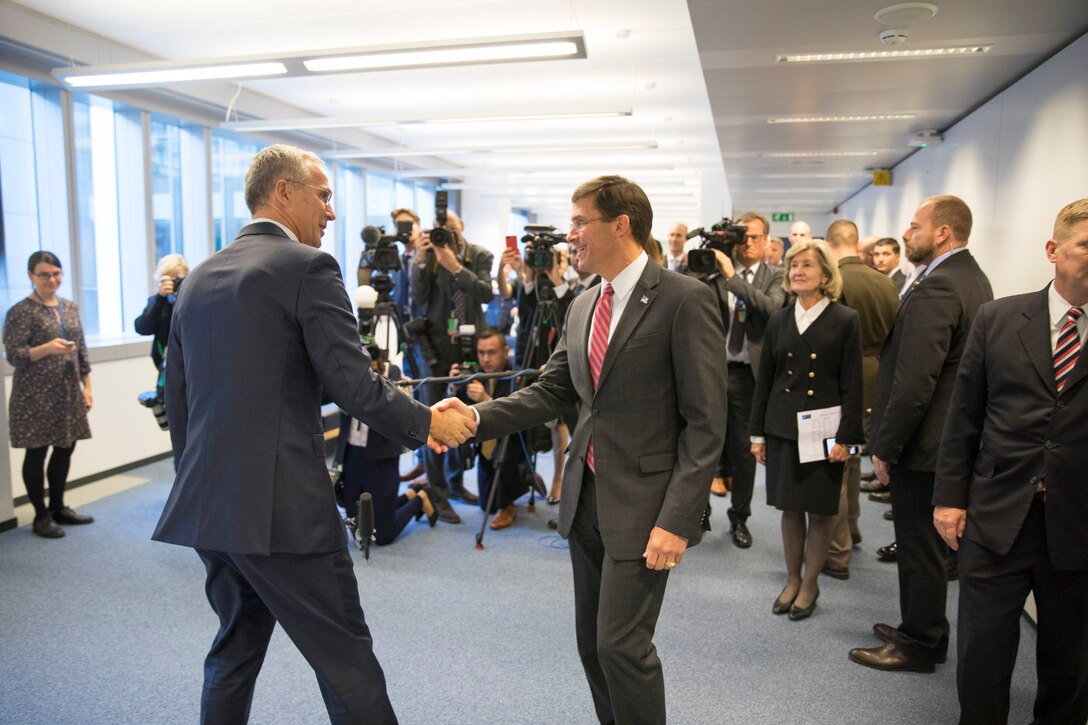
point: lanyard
(60, 312)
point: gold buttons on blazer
(813, 356)
(787, 390)
(810, 393)
(789, 354)
(789, 372)
(812, 375)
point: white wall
(122, 430)
(1016, 162)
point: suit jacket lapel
(1035, 337)
(642, 296)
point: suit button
(812, 375)
(1048, 445)
(813, 356)
(1061, 403)
(787, 390)
(596, 411)
(810, 393)
(1034, 480)
(789, 354)
(789, 372)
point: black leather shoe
(741, 536)
(463, 494)
(889, 658)
(889, 515)
(868, 477)
(553, 524)
(835, 572)
(781, 607)
(887, 553)
(873, 486)
(45, 527)
(798, 613)
(881, 497)
(446, 513)
(68, 517)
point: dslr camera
(723, 235)
(440, 235)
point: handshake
(452, 423)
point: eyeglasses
(754, 237)
(325, 194)
(576, 225)
(46, 276)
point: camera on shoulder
(723, 236)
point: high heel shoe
(428, 508)
(799, 613)
(781, 606)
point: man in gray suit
(749, 292)
(642, 354)
(886, 261)
(260, 331)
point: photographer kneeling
(515, 473)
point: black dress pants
(616, 604)
(923, 567)
(737, 454)
(315, 598)
(993, 589)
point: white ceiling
(701, 96)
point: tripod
(543, 324)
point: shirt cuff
(758, 439)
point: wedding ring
(670, 564)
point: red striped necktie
(598, 346)
(1067, 350)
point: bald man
(675, 259)
(800, 232)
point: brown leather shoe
(446, 513)
(835, 572)
(885, 631)
(505, 518)
(718, 487)
(889, 658)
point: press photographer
(451, 280)
(155, 320)
(749, 292)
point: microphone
(371, 235)
(694, 233)
(366, 297)
(364, 524)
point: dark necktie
(1067, 349)
(598, 346)
(740, 314)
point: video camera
(440, 236)
(540, 241)
(466, 338)
(723, 235)
(380, 254)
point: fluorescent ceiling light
(836, 119)
(814, 154)
(462, 55)
(395, 153)
(812, 176)
(865, 55)
(318, 122)
(469, 51)
(103, 77)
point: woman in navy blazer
(811, 360)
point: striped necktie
(598, 346)
(1067, 350)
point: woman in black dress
(50, 391)
(811, 360)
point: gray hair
(170, 261)
(273, 163)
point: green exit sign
(782, 216)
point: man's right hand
(452, 423)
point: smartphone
(512, 244)
(829, 443)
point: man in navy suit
(914, 386)
(260, 330)
(1010, 492)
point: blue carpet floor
(105, 626)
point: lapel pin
(645, 300)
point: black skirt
(794, 486)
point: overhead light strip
(843, 119)
(395, 153)
(814, 154)
(327, 122)
(963, 51)
(469, 51)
